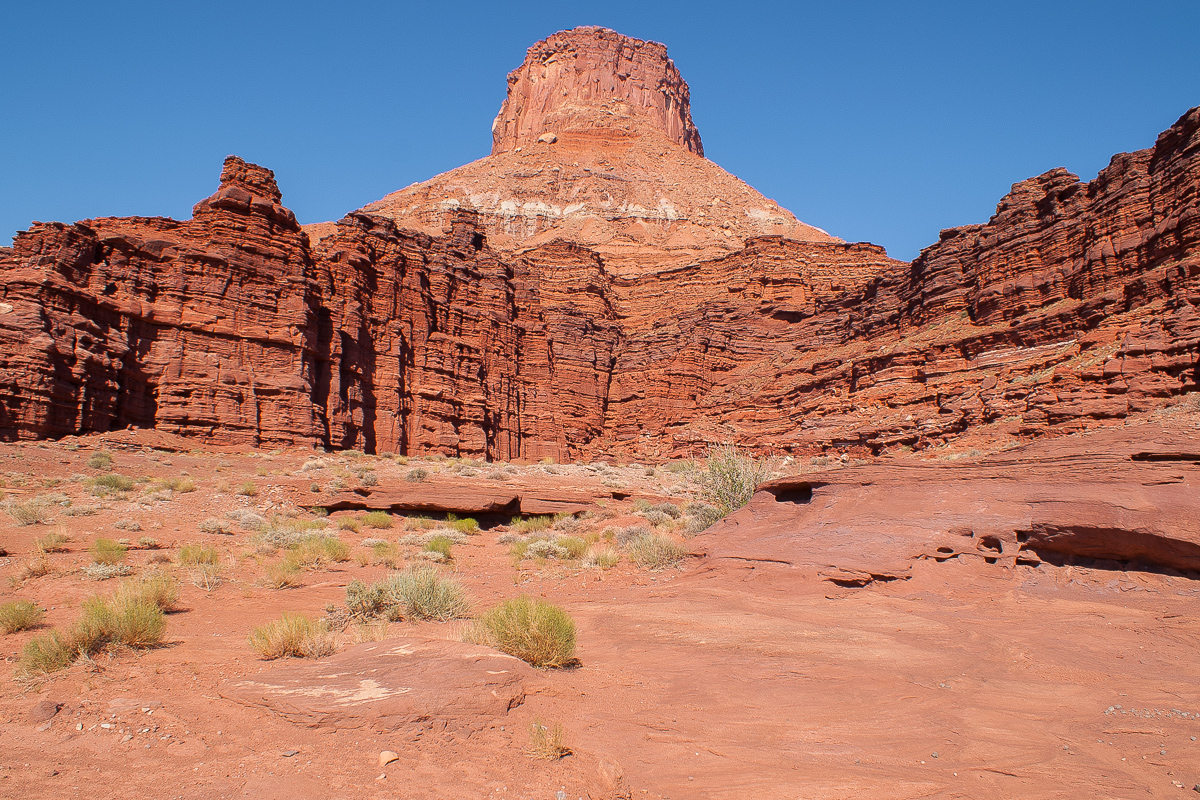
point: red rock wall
(1074, 306)
(568, 76)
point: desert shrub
(194, 554)
(377, 519)
(158, 589)
(206, 576)
(655, 551)
(441, 545)
(319, 550)
(293, 635)
(573, 545)
(624, 536)
(416, 475)
(55, 542)
(656, 518)
(247, 519)
(80, 511)
(701, 517)
(36, 568)
(419, 523)
(101, 459)
(384, 553)
(312, 464)
(284, 574)
(641, 505)
(730, 476)
(108, 552)
(533, 630)
(127, 525)
(544, 548)
(465, 525)
(670, 509)
(19, 615)
(531, 524)
(498, 475)
(546, 743)
(369, 479)
(247, 489)
(600, 557)
(46, 654)
(214, 525)
(32, 512)
(365, 601)
(104, 572)
(349, 524)
(110, 483)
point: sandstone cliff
(1075, 306)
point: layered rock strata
(1074, 306)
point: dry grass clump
(317, 551)
(31, 512)
(442, 545)
(19, 615)
(546, 743)
(214, 525)
(110, 484)
(530, 524)
(377, 519)
(419, 523)
(107, 552)
(55, 542)
(283, 574)
(655, 551)
(247, 489)
(129, 618)
(36, 568)
(247, 519)
(195, 554)
(417, 475)
(350, 524)
(383, 552)
(533, 630)
(601, 557)
(80, 511)
(293, 635)
(416, 593)
(181, 485)
(157, 588)
(127, 525)
(101, 459)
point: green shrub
(441, 545)
(415, 593)
(157, 589)
(377, 519)
(293, 635)
(655, 551)
(730, 476)
(573, 545)
(530, 524)
(533, 630)
(108, 552)
(19, 615)
(46, 654)
(466, 525)
(319, 550)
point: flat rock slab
(390, 684)
(442, 498)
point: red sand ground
(710, 683)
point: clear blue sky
(878, 121)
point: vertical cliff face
(203, 327)
(580, 79)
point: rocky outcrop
(203, 328)
(1120, 499)
(585, 78)
(595, 145)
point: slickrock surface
(595, 144)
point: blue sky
(878, 121)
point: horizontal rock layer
(1074, 306)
